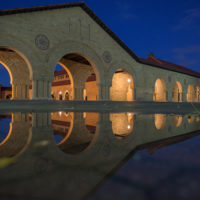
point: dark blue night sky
(170, 29)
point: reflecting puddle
(73, 155)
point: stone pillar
(104, 91)
(78, 92)
(41, 89)
(14, 94)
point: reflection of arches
(190, 119)
(67, 95)
(160, 90)
(190, 93)
(178, 120)
(177, 92)
(122, 124)
(122, 88)
(160, 121)
(77, 136)
(198, 93)
(18, 138)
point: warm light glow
(129, 127)
(129, 80)
(60, 92)
(60, 113)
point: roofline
(68, 5)
(95, 18)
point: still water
(66, 155)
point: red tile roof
(169, 66)
(161, 64)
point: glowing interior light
(60, 92)
(129, 127)
(129, 114)
(129, 80)
(60, 113)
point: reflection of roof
(161, 64)
(169, 66)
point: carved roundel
(107, 57)
(42, 42)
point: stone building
(34, 40)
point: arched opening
(15, 75)
(67, 97)
(122, 124)
(5, 83)
(198, 93)
(178, 120)
(160, 90)
(177, 92)
(75, 74)
(190, 93)
(122, 88)
(160, 121)
(73, 133)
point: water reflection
(122, 124)
(64, 152)
(160, 120)
(178, 120)
(74, 132)
(16, 140)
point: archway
(177, 92)
(190, 93)
(160, 121)
(198, 93)
(122, 88)
(75, 74)
(160, 90)
(67, 97)
(20, 73)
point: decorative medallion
(169, 79)
(42, 42)
(107, 57)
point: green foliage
(151, 54)
(4, 162)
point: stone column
(104, 91)
(78, 92)
(14, 94)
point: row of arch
(160, 92)
(121, 87)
